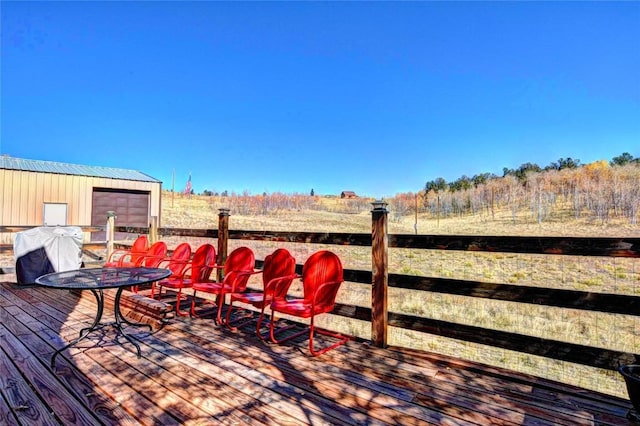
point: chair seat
(211, 287)
(255, 299)
(297, 307)
(176, 283)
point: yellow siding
(39, 199)
(4, 197)
(32, 186)
(23, 194)
(16, 199)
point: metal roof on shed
(11, 163)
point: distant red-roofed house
(348, 194)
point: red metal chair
(176, 263)
(198, 270)
(152, 258)
(128, 257)
(278, 264)
(321, 280)
(237, 269)
(156, 254)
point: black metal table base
(96, 325)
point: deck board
(193, 372)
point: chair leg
(269, 334)
(227, 318)
(311, 330)
(178, 311)
(220, 302)
(229, 324)
(153, 289)
(259, 324)
(273, 331)
(192, 311)
(342, 339)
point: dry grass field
(202, 212)
(617, 332)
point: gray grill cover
(46, 249)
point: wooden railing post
(380, 273)
(223, 239)
(110, 231)
(153, 230)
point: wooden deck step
(137, 307)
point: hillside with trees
(601, 190)
(563, 191)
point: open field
(336, 215)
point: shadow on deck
(193, 372)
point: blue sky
(374, 97)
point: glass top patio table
(102, 278)
(96, 280)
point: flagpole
(187, 190)
(173, 185)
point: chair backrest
(131, 256)
(155, 254)
(239, 260)
(139, 248)
(322, 267)
(179, 259)
(204, 259)
(278, 264)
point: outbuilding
(348, 194)
(47, 193)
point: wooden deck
(192, 372)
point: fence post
(110, 231)
(380, 273)
(223, 239)
(153, 230)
